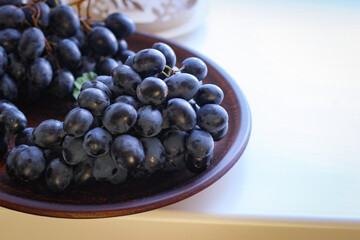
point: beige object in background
(166, 18)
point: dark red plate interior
(107, 200)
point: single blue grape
(58, 175)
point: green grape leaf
(80, 81)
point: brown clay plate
(134, 196)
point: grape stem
(27, 22)
(35, 17)
(86, 25)
(166, 75)
(57, 63)
(83, 22)
(34, 6)
(48, 47)
(52, 43)
(76, 2)
(171, 71)
(88, 11)
(37, 13)
(181, 68)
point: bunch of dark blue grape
(45, 46)
(133, 120)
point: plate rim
(161, 199)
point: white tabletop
(298, 64)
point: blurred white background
(298, 64)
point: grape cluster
(44, 47)
(140, 114)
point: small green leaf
(76, 93)
(80, 81)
